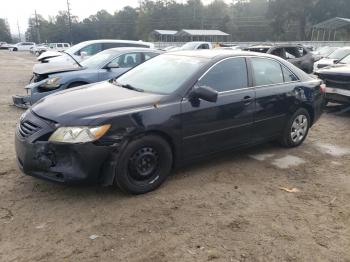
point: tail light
(323, 88)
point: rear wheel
(297, 129)
(15, 49)
(144, 165)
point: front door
(212, 127)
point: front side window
(163, 74)
(229, 74)
(266, 71)
(127, 60)
(59, 45)
(292, 52)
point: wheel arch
(310, 110)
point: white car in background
(83, 50)
(194, 46)
(333, 58)
(59, 47)
(22, 46)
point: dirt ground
(228, 208)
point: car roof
(131, 49)
(114, 41)
(217, 53)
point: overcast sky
(23, 9)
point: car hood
(48, 54)
(337, 69)
(50, 68)
(92, 104)
(326, 61)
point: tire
(143, 165)
(297, 129)
(15, 49)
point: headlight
(78, 134)
(52, 83)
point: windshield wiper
(127, 86)
(73, 58)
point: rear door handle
(247, 100)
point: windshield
(189, 46)
(326, 51)
(98, 60)
(163, 74)
(72, 50)
(339, 54)
(345, 60)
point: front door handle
(247, 100)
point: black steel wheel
(144, 164)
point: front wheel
(296, 129)
(144, 164)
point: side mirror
(111, 66)
(83, 54)
(205, 93)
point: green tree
(5, 33)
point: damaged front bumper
(338, 95)
(21, 101)
(65, 163)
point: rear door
(275, 94)
(211, 127)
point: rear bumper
(62, 163)
(338, 95)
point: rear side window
(288, 75)
(203, 46)
(66, 45)
(266, 71)
(59, 45)
(229, 74)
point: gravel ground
(227, 208)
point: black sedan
(131, 131)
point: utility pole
(19, 32)
(70, 22)
(37, 28)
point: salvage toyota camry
(131, 131)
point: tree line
(244, 20)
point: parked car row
(156, 111)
